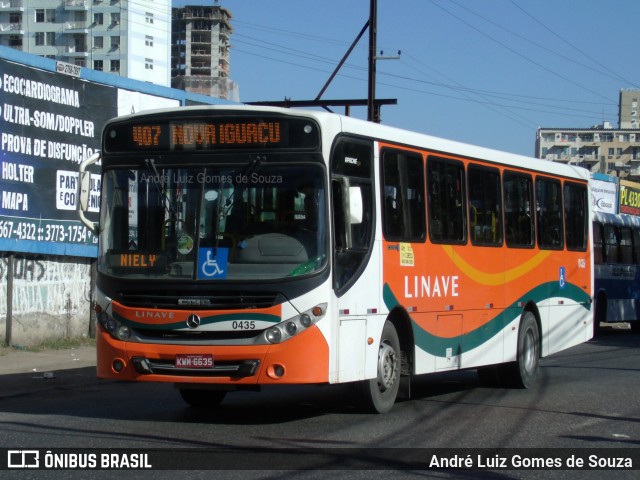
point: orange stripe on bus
(495, 279)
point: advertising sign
(603, 195)
(629, 197)
(49, 123)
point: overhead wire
(513, 112)
(464, 93)
(515, 52)
(526, 99)
(577, 49)
(287, 50)
(604, 72)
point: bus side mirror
(83, 195)
(84, 190)
(355, 205)
(348, 211)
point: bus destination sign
(216, 134)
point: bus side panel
(622, 310)
(465, 302)
(616, 264)
(351, 348)
(570, 319)
(455, 298)
(618, 282)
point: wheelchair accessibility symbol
(212, 263)
(563, 279)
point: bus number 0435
(244, 325)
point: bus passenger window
(518, 217)
(485, 206)
(636, 246)
(576, 216)
(549, 214)
(626, 245)
(403, 209)
(598, 245)
(611, 249)
(446, 201)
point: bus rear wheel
(523, 372)
(380, 393)
(202, 398)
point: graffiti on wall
(46, 285)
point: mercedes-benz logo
(193, 321)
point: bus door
(356, 270)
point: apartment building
(628, 108)
(127, 38)
(200, 51)
(601, 148)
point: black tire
(202, 398)
(380, 393)
(635, 326)
(523, 372)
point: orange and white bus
(248, 246)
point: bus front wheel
(523, 372)
(379, 394)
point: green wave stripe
(463, 343)
(262, 317)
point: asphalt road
(586, 398)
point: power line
(463, 91)
(275, 47)
(603, 72)
(291, 33)
(515, 52)
(510, 108)
(616, 76)
(459, 98)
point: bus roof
(616, 218)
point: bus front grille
(190, 301)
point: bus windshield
(252, 222)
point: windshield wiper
(166, 202)
(254, 162)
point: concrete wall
(51, 297)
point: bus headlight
(110, 325)
(295, 325)
(123, 332)
(305, 320)
(115, 328)
(274, 335)
(291, 328)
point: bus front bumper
(301, 359)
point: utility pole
(373, 105)
(373, 114)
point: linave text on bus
(427, 286)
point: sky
(485, 72)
